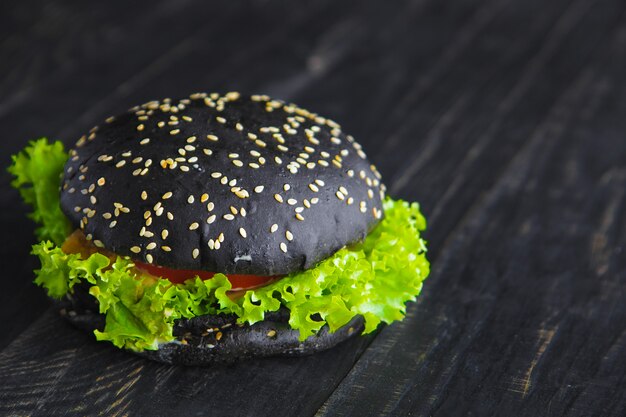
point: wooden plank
(483, 102)
(514, 307)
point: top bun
(223, 183)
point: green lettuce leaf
(37, 171)
(374, 279)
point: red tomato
(178, 276)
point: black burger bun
(223, 183)
(210, 340)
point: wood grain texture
(505, 119)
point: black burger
(218, 227)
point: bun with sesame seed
(231, 184)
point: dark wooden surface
(506, 119)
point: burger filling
(77, 243)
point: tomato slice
(178, 276)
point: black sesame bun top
(222, 183)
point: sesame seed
(320, 182)
(343, 190)
(260, 143)
(233, 210)
(151, 246)
(167, 195)
(193, 226)
(135, 249)
(190, 199)
(211, 244)
(313, 188)
(289, 235)
(204, 197)
(299, 217)
(207, 151)
(258, 189)
(212, 138)
(93, 199)
(166, 248)
(278, 160)
(278, 198)
(224, 180)
(144, 195)
(112, 224)
(220, 120)
(149, 258)
(217, 244)
(241, 193)
(286, 187)
(239, 127)
(120, 163)
(221, 237)
(315, 200)
(216, 174)
(340, 195)
(174, 132)
(253, 165)
(243, 212)
(292, 201)
(170, 216)
(210, 206)
(273, 228)
(195, 253)
(242, 232)
(105, 215)
(350, 200)
(283, 247)
(228, 216)
(101, 181)
(254, 153)
(140, 127)
(237, 163)
(184, 168)
(211, 219)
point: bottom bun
(211, 339)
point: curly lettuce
(374, 279)
(37, 174)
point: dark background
(505, 119)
